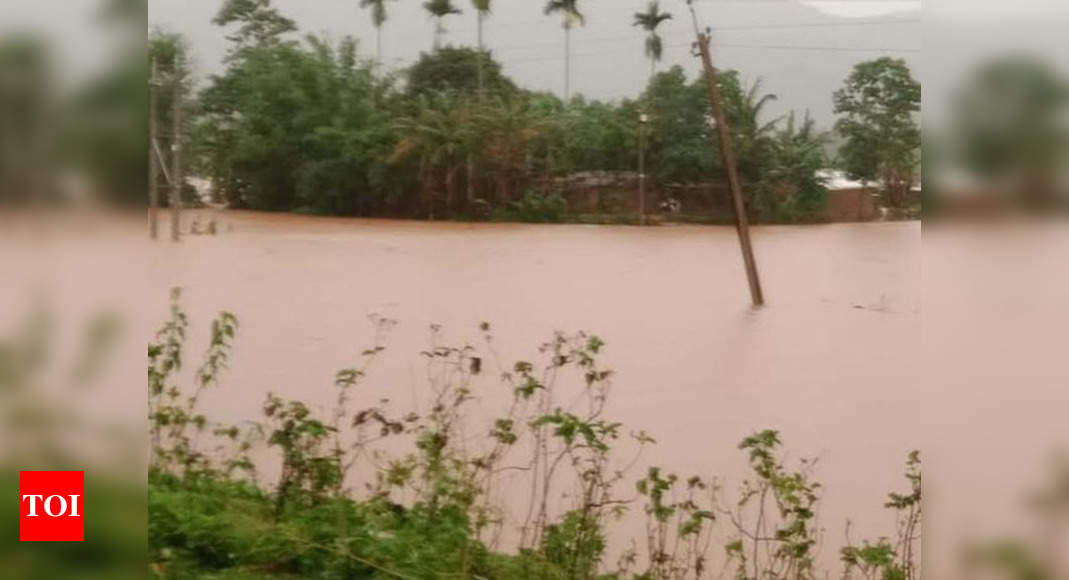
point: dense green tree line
(303, 124)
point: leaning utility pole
(176, 148)
(567, 59)
(153, 161)
(643, 118)
(727, 153)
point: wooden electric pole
(727, 154)
(176, 152)
(642, 119)
(153, 161)
(567, 59)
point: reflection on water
(831, 361)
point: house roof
(835, 179)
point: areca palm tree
(439, 9)
(649, 21)
(569, 11)
(378, 18)
(482, 9)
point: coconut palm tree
(509, 129)
(438, 136)
(439, 9)
(378, 18)
(649, 21)
(571, 16)
(752, 134)
(482, 9)
(747, 109)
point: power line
(462, 26)
(631, 37)
(717, 29)
(819, 24)
(818, 48)
(723, 45)
(804, 48)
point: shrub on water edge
(535, 207)
(427, 514)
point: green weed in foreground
(434, 511)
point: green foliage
(595, 136)
(456, 69)
(1006, 128)
(649, 21)
(883, 559)
(259, 23)
(100, 130)
(576, 543)
(439, 9)
(871, 560)
(790, 190)
(878, 105)
(438, 134)
(432, 512)
(1005, 120)
(535, 207)
(678, 528)
(1008, 559)
(569, 9)
(774, 517)
(680, 149)
(172, 411)
(378, 11)
(305, 125)
(290, 125)
(114, 535)
(777, 161)
(168, 50)
(309, 469)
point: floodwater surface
(838, 360)
(831, 361)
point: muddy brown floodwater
(830, 361)
(839, 360)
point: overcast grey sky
(801, 51)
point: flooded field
(831, 361)
(839, 360)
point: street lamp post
(643, 118)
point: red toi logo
(50, 506)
